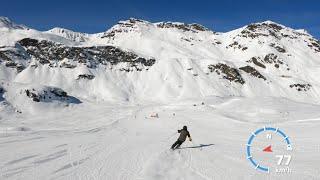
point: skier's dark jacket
(183, 134)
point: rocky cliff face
(58, 55)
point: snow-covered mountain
(8, 24)
(138, 60)
(68, 34)
(108, 105)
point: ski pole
(170, 137)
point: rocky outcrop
(278, 47)
(255, 61)
(270, 58)
(198, 27)
(265, 25)
(67, 65)
(32, 95)
(1, 94)
(182, 26)
(122, 27)
(47, 52)
(85, 76)
(1, 91)
(273, 59)
(248, 34)
(252, 71)
(4, 57)
(301, 87)
(48, 94)
(58, 92)
(11, 64)
(227, 72)
(11, 56)
(261, 29)
(236, 45)
(314, 44)
(232, 74)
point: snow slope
(101, 141)
(189, 61)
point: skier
(183, 135)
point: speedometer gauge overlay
(269, 149)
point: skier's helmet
(185, 127)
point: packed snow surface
(122, 141)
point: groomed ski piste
(101, 141)
(110, 108)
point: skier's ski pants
(176, 144)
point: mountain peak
(265, 29)
(182, 26)
(69, 34)
(270, 28)
(131, 22)
(7, 23)
(302, 31)
(60, 30)
(265, 25)
(270, 22)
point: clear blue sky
(97, 15)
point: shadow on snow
(198, 146)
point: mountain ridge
(8, 21)
(136, 60)
(5, 22)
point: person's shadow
(198, 146)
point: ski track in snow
(124, 142)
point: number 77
(281, 157)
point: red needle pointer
(267, 149)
